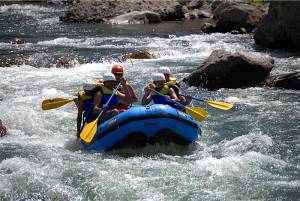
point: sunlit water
(248, 153)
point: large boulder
(233, 16)
(231, 70)
(281, 27)
(287, 81)
(3, 130)
(137, 17)
(103, 10)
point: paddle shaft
(168, 98)
(198, 99)
(115, 90)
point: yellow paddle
(216, 104)
(49, 104)
(88, 132)
(196, 112)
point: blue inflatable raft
(144, 125)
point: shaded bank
(281, 27)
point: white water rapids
(248, 153)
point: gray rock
(208, 28)
(136, 17)
(227, 70)
(103, 10)
(3, 130)
(233, 16)
(281, 27)
(7, 62)
(195, 4)
(287, 81)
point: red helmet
(117, 69)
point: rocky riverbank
(275, 25)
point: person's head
(118, 71)
(109, 80)
(166, 71)
(88, 88)
(159, 80)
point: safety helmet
(164, 70)
(117, 69)
(109, 77)
(158, 77)
(88, 86)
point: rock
(281, 27)
(17, 41)
(7, 62)
(64, 62)
(190, 15)
(239, 31)
(137, 17)
(233, 16)
(215, 4)
(195, 4)
(3, 130)
(287, 81)
(203, 14)
(100, 11)
(61, 1)
(140, 55)
(208, 28)
(227, 70)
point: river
(251, 152)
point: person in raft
(118, 71)
(105, 92)
(159, 85)
(85, 104)
(173, 84)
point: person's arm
(132, 93)
(147, 95)
(173, 95)
(79, 105)
(97, 100)
(124, 97)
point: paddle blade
(89, 131)
(54, 103)
(197, 113)
(219, 105)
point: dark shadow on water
(74, 145)
(153, 150)
(147, 151)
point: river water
(250, 152)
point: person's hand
(148, 88)
(123, 81)
(151, 86)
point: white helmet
(88, 86)
(109, 77)
(164, 70)
(158, 77)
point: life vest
(106, 94)
(88, 103)
(174, 85)
(158, 99)
(122, 107)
